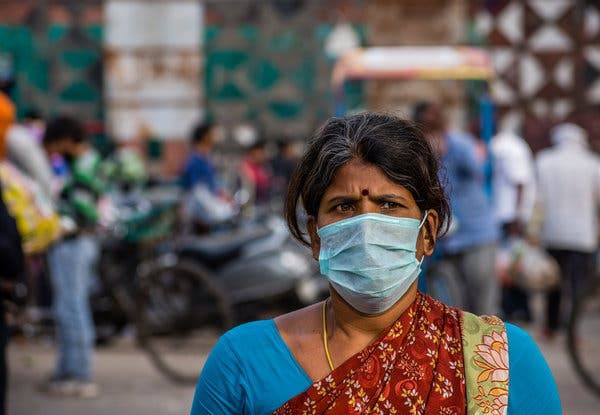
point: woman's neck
(345, 320)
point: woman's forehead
(360, 178)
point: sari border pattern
(485, 346)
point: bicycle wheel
(583, 338)
(181, 313)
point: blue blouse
(252, 371)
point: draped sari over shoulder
(417, 366)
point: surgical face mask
(370, 260)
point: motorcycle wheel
(181, 311)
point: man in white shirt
(513, 180)
(569, 193)
(514, 198)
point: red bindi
(365, 192)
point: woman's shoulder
(531, 384)
(249, 329)
(518, 336)
(248, 334)
(521, 343)
(224, 379)
(239, 346)
(523, 351)
(233, 354)
(266, 337)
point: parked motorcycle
(201, 285)
(129, 234)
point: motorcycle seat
(215, 249)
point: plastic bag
(37, 221)
(527, 266)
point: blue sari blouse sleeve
(531, 387)
(220, 388)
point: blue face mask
(370, 260)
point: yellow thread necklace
(325, 346)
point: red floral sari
(415, 367)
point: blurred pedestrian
(199, 168)
(28, 201)
(283, 164)
(28, 186)
(72, 260)
(472, 245)
(206, 203)
(11, 269)
(569, 194)
(26, 152)
(255, 170)
(514, 198)
(11, 257)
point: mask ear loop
(424, 219)
(420, 226)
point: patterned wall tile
(545, 55)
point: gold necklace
(325, 346)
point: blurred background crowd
(146, 147)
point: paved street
(131, 385)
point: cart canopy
(408, 62)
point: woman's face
(360, 188)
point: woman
(369, 185)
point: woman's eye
(389, 205)
(344, 207)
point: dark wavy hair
(64, 127)
(200, 132)
(395, 145)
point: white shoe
(66, 388)
(59, 387)
(86, 389)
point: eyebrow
(353, 198)
(390, 196)
(341, 199)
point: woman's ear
(430, 228)
(315, 241)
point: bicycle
(583, 336)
